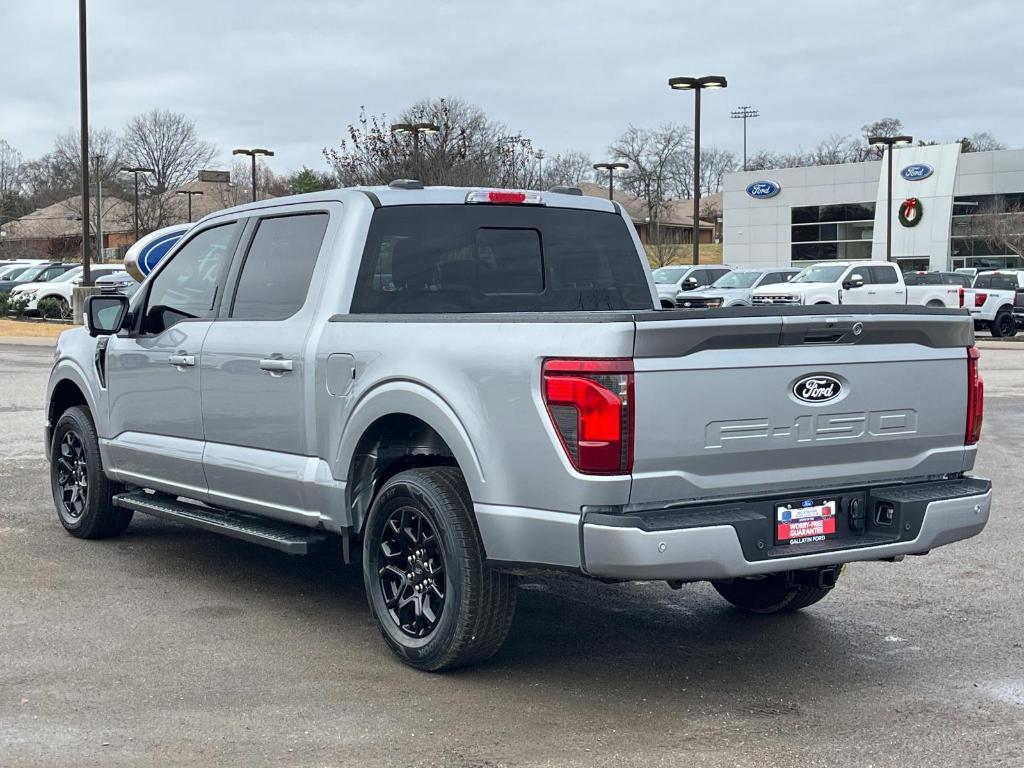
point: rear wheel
(1004, 324)
(81, 492)
(435, 600)
(779, 592)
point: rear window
(996, 282)
(928, 278)
(491, 258)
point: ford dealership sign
(144, 255)
(763, 189)
(917, 171)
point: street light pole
(889, 142)
(696, 84)
(83, 88)
(416, 129)
(253, 153)
(743, 113)
(136, 170)
(610, 167)
(539, 154)
(190, 194)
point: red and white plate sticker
(805, 522)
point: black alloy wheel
(412, 576)
(72, 476)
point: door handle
(276, 364)
(182, 361)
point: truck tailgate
(735, 403)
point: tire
(1003, 325)
(465, 621)
(774, 593)
(665, 304)
(822, 302)
(81, 491)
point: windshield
(31, 273)
(736, 280)
(669, 274)
(9, 273)
(68, 276)
(820, 273)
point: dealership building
(943, 201)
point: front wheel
(779, 592)
(434, 598)
(82, 493)
(1004, 324)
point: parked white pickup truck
(855, 282)
(992, 298)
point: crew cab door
(885, 286)
(257, 370)
(153, 370)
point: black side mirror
(689, 284)
(853, 281)
(105, 313)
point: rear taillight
(590, 403)
(504, 197)
(980, 299)
(975, 398)
(961, 297)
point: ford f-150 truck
(454, 387)
(992, 298)
(855, 282)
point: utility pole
(744, 114)
(99, 208)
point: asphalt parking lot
(175, 647)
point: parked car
(60, 289)
(936, 289)
(118, 282)
(39, 273)
(844, 282)
(672, 280)
(992, 298)
(11, 271)
(971, 272)
(499, 404)
(734, 288)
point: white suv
(60, 289)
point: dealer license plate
(805, 521)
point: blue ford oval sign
(147, 252)
(763, 189)
(917, 171)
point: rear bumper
(702, 553)
(1018, 316)
(730, 540)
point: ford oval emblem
(763, 189)
(817, 388)
(917, 171)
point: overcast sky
(571, 74)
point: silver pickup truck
(454, 387)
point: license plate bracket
(805, 521)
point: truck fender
(398, 397)
(68, 370)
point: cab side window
(882, 275)
(186, 287)
(278, 267)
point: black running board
(290, 539)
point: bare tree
(715, 162)
(105, 159)
(980, 141)
(568, 170)
(168, 143)
(12, 202)
(469, 149)
(1003, 230)
(886, 126)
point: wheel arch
(397, 426)
(67, 389)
